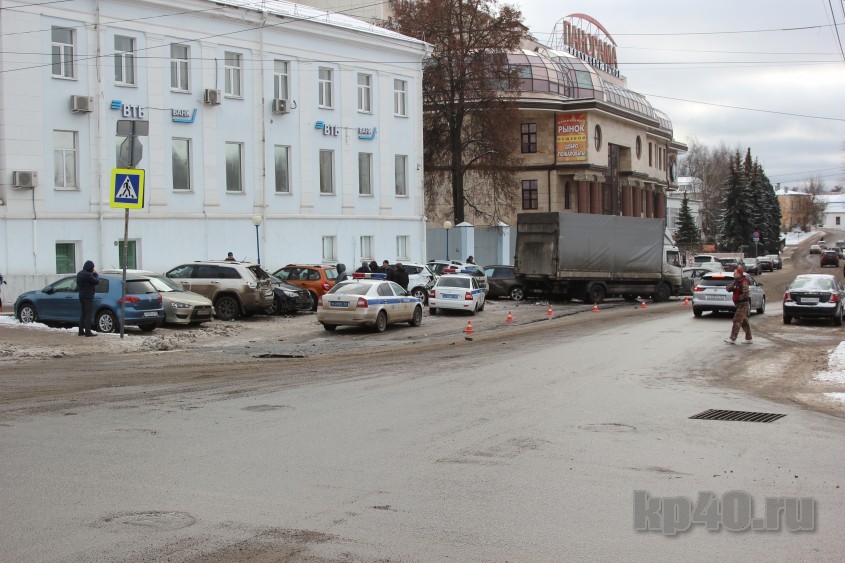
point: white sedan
(369, 300)
(456, 291)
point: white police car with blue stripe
(456, 291)
(368, 299)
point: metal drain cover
(738, 416)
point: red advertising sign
(571, 137)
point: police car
(456, 291)
(470, 270)
(368, 299)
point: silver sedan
(368, 300)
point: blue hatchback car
(59, 303)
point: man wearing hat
(742, 301)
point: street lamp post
(256, 220)
(447, 225)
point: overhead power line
(745, 109)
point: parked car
(420, 280)
(815, 249)
(710, 294)
(180, 306)
(690, 278)
(288, 298)
(316, 278)
(370, 300)
(766, 264)
(729, 264)
(235, 288)
(501, 282)
(437, 266)
(59, 303)
(822, 244)
(456, 291)
(702, 258)
(829, 258)
(752, 266)
(777, 263)
(814, 296)
(470, 269)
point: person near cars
(400, 276)
(230, 257)
(364, 269)
(470, 260)
(374, 267)
(341, 273)
(2, 282)
(739, 287)
(86, 283)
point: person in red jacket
(739, 287)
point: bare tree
(815, 210)
(711, 165)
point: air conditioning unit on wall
(281, 106)
(212, 97)
(81, 104)
(24, 178)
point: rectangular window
(64, 159)
(131, 253)
(181, 164)
(529, 137)
(324, 88)
(329, 245)
(837, 220)
(281, 159)
(365, 173)
(650, 154)
(124, 60)
(234, 167)
(65, 257)
(530, 193)
(401, 172)
(402, 247)
(400, 98)
(367, 248)
(365, 92)
(281, 80)
(233, 74)
(62, 55)
(179, 67)
(326, 172)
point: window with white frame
(181, 164)
(62, 54)
(401, 172)
(65, 160)
(124, 60)
(324, 87)
(365, 92)
(281, 80)
(326, 172)
(402, 247)
(400, 98)
(365, 173)
(329, 249)
(281, 158)
(234, 167)
(179, 67)
(233, 72)
(66, 257)
(367, 248)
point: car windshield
(448, 281)
(139, 287)
(165, 285)
(825, 284)
(351, 288)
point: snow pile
(835, 372)
(793, 239)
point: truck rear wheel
(595, 293)
(662, 293)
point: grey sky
(788, 71)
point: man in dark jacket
(364, 269)
(86, 283)
(400, 276)
(341, 273)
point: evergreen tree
(734, 227)
(687, 237)
(774, 215)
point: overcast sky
(670, 49)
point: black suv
(829, 258)
(502, 282)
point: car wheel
(662, 293)
(432, 311)
(226, 308)
(481, 307)
(329, 327)
(787, 319)
(420, 293)
(837, 320)
(517, 294)
(697, 312)
(381, 322)
(27, 313)
(595, 294)
(762, 308)
(416, 320)
(275, 308)
(147, 327)
(106, 322)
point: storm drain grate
(739, 416)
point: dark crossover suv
(829, 258)
(502, 283)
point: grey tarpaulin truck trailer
(590, 257)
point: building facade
(304, 122)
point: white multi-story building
(305, 122)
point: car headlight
(291, 294)
(178, 305)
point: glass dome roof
(562, 74)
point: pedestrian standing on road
(364, 269)
(400, 276)
(742, 301)
(341, 274)
(2, 283)
(86, 284)
(470, 260)
(374, 267)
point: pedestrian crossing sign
(127, 188)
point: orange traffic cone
(549, 312)
(595, 307)
(510, 317)
(469, 329)
(643, 304)
(686, 301)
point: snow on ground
(840, 397)
(793, 239)
(835, 372)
